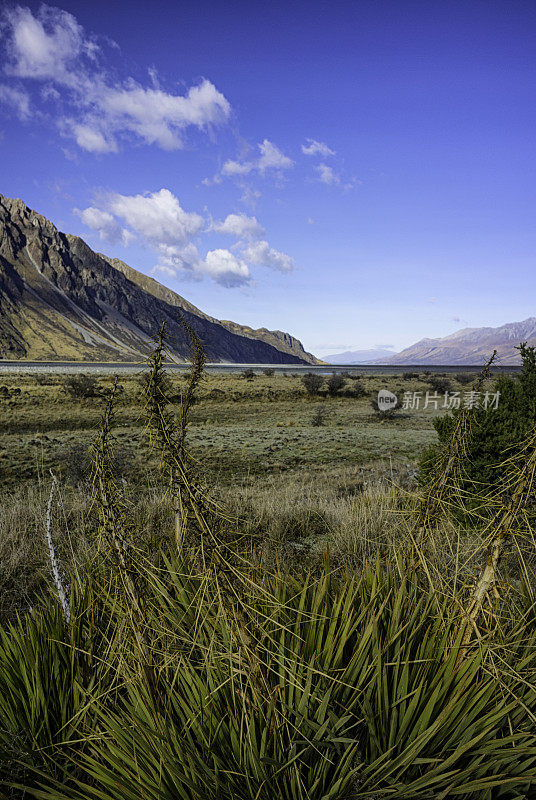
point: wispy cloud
(92, 107)
(270, 158)
(314, 148)
(327, 175)
(17, 99)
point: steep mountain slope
(60, 300)
(470, 346)
(278, 339)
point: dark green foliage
(408, 376)
(312, 383)
(358, 389)
(440, 384)
(335, 384)
(248, 374)
(268, 372)
(495, 433)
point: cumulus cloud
(261, 253)
(226, 268)
(239, 225)
(158, 221)
(105, 224)
(158, 217)
(314, 148)
(50, 46)
(270, 158)
(18, 99)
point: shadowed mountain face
(470, 346)
(60, 300)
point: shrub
(248, 374)
(268, 372)
(409, 376)
(359, 389)
(495, 433)
(312, 383)
(335, 384)
(440, 384)
(81, 386)
(42, 379)
(385, 414)
(465, 377)
(319, 416)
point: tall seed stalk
(113, 532)
(193, 509)
(62, 592)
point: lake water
(106, 368)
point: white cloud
(157, 216)
(236, 168)
(261, 253)
(271, 158)
(18, 99)
(44, 46)
(91, 139)
(314, 148)
(239, 225)
(158, 117)
(226, 269)
(327, 175)
(105, 224)
(158, 220)
(51, 46)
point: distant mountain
(59, 300)
(358, 356)
(470, 346)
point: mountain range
(60, 300)
(359, 356)
(470, 346)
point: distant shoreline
(105, 367)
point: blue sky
(360, 174)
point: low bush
(465, 378)
(335, 384)
(440, 384)
(81, 387)
(312, 382)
